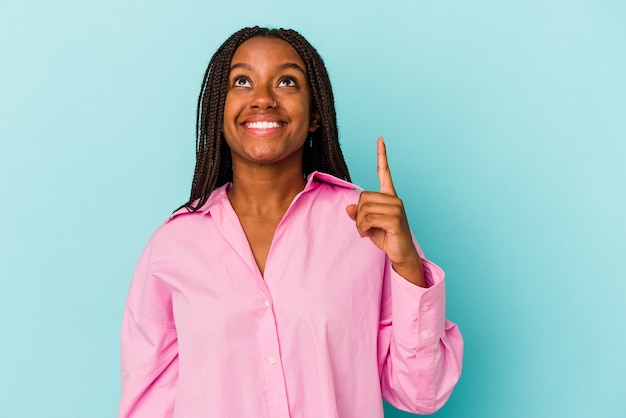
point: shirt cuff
(419, 313)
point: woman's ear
(315, 122)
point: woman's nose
(263, 99)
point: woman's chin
(267, 156)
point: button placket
(425, 333)
(270, 356)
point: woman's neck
(264, 192)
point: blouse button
(425, 334)
(272, 360)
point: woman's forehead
(260, 51)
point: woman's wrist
(412, 271)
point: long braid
(213, 158)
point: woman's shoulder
(328, 185)
(190, 217)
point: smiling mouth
(264, 125)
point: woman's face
(267, 114)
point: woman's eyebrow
(292, 65)
(241, 65)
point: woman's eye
(242, 82)
(287, 82)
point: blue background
(506, 129)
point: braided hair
(213, 158)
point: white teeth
(263, 125)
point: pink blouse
(328, 331)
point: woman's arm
(149, 349)
(420, 353)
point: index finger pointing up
(384, 174)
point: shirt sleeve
(420, 352)
(149, 349)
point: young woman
(279, 290)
